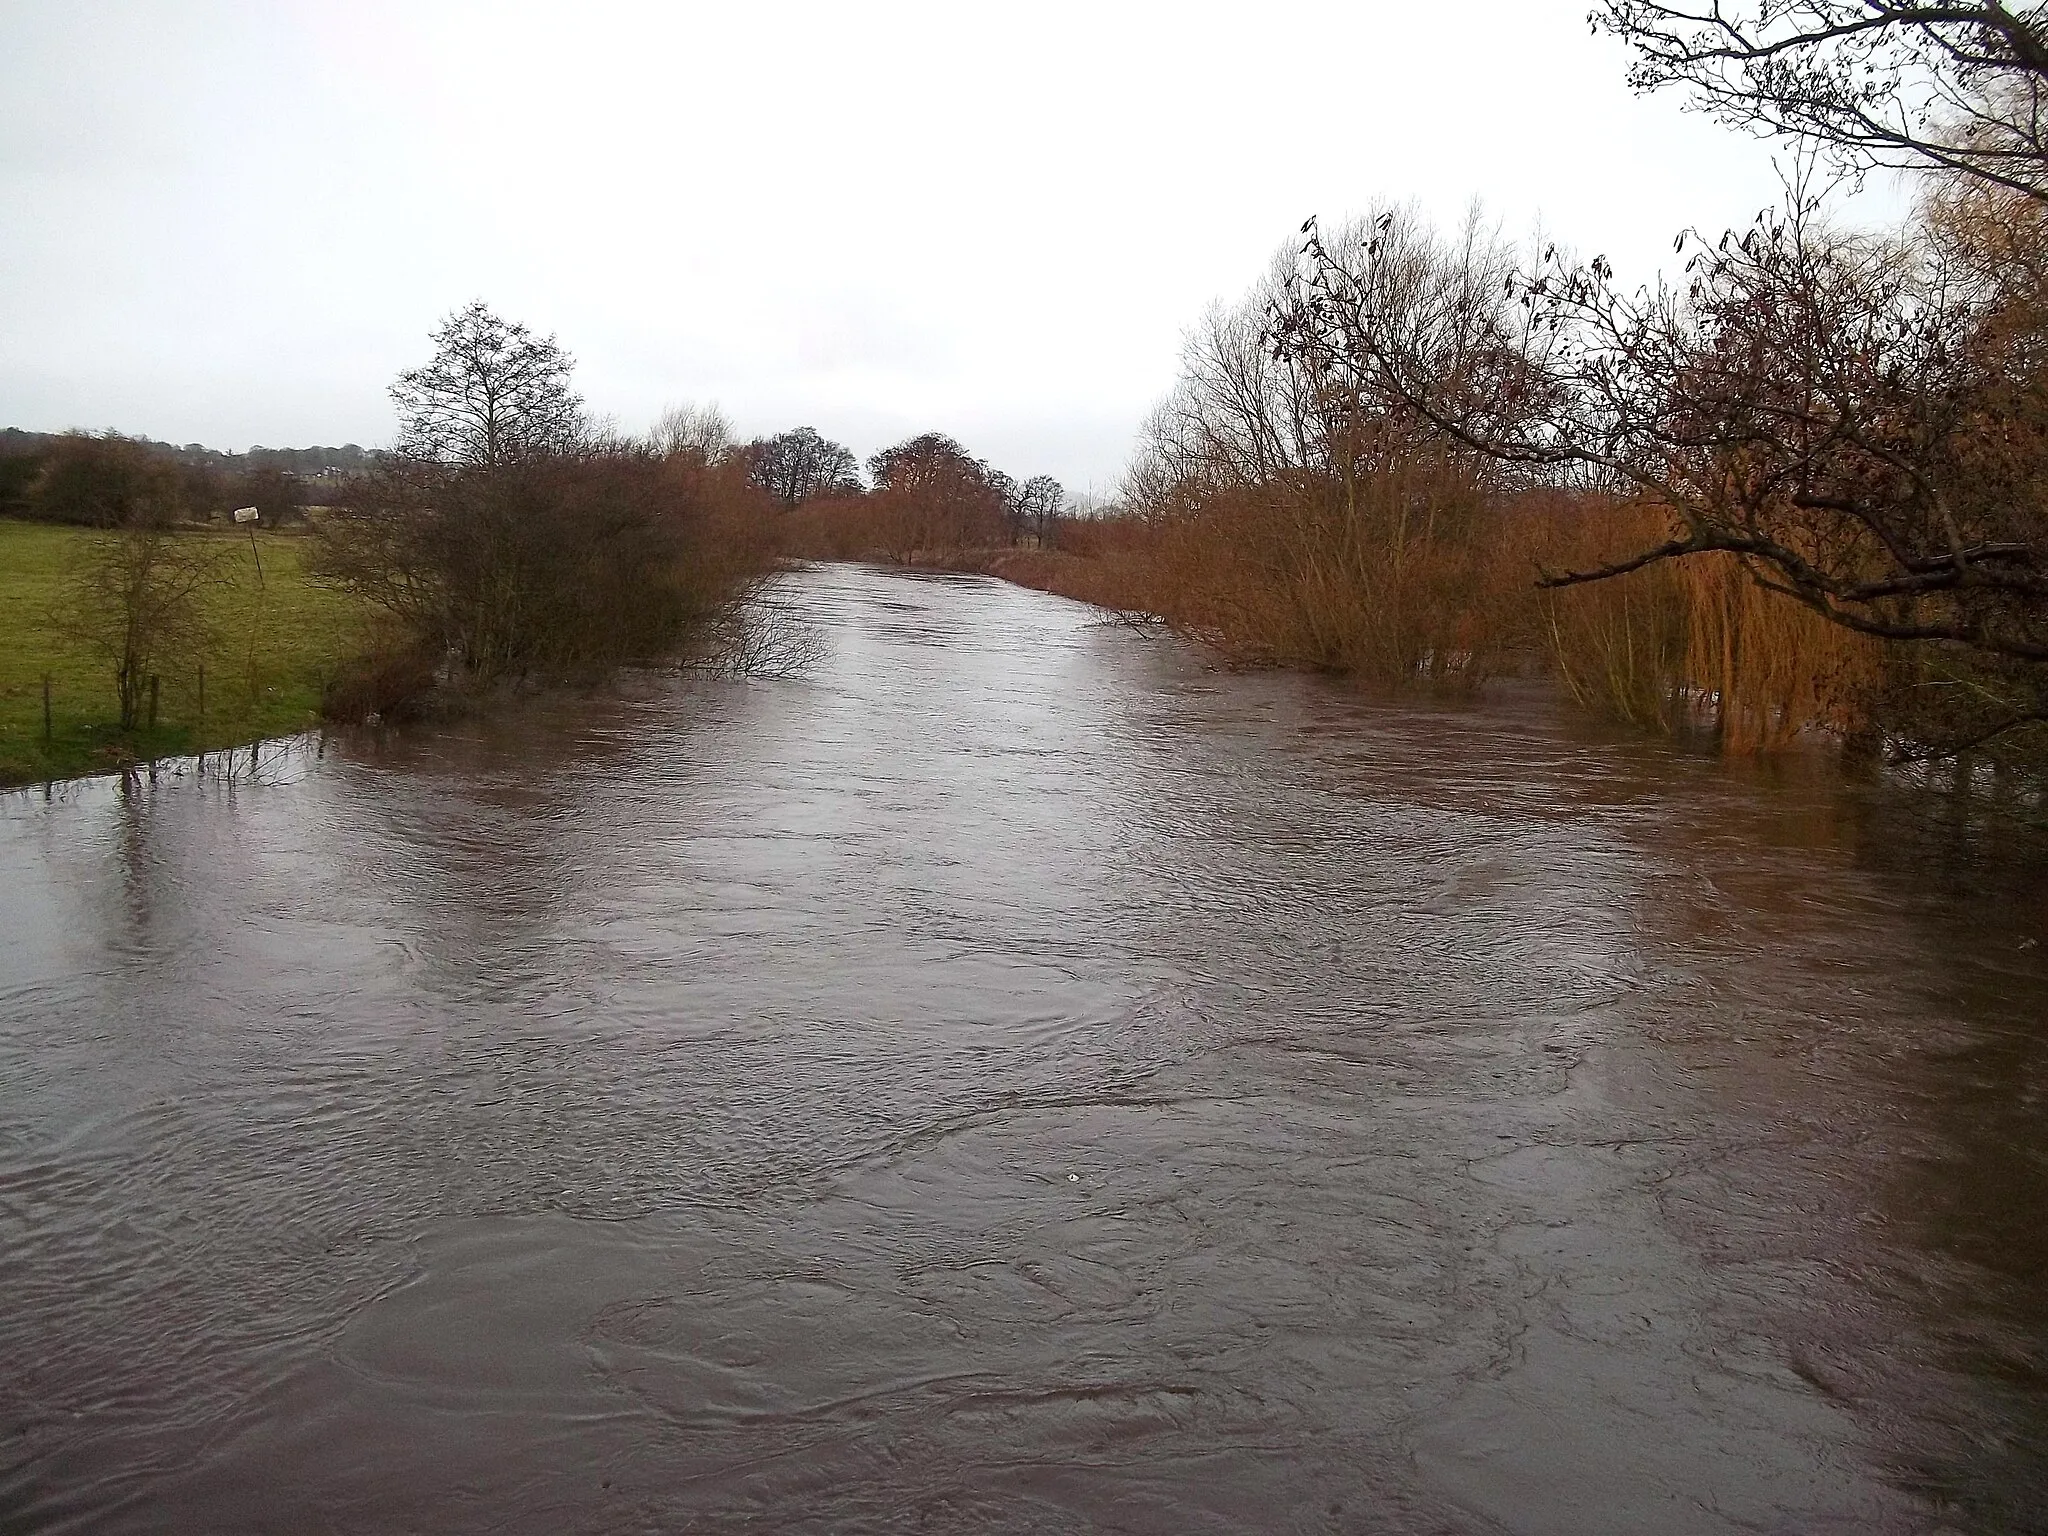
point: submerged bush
(393, 681)
(592, 558)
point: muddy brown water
(1012, 1077)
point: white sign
(246, 514)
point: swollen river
(1012, 1077)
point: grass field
(275, 644)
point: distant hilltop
(304, 462)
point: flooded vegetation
(1464, 952)
(1015, 1076)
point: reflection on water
(1013, 1078)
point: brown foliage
(1700, 641)
(932, 500)
(1297, 521)
(1858, 424)
(612, 554)
(110, 481)
(1842, 411)
(858, 527)
(391, 681)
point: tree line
(924, 493)
(109, 480)
(1798, 485)
(305, 462)
(1802, 483)
(504, 533)
(923, 498)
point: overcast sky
(233, 223)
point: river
(1012, 1076)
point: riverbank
(277, 639)
(1104, 582)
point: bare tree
(1854, 417)
(929, 459)
(1959, 87)
(1904, 438)
(1303, 513)
(800, 464)
(493, 394)
(140, 598)
(1029, 506)
(701, 431)
(1041, 502)
(507, 537)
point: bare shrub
(140, 597)
(854, 527)
(611, 555)
(105, 480)
(1617, 647)
(760, 635)
(391, 680)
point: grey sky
(235, 222)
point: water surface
(1014, 1077)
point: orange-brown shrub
(1691, 639)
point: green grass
(275, 645)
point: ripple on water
(1014, 1078)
